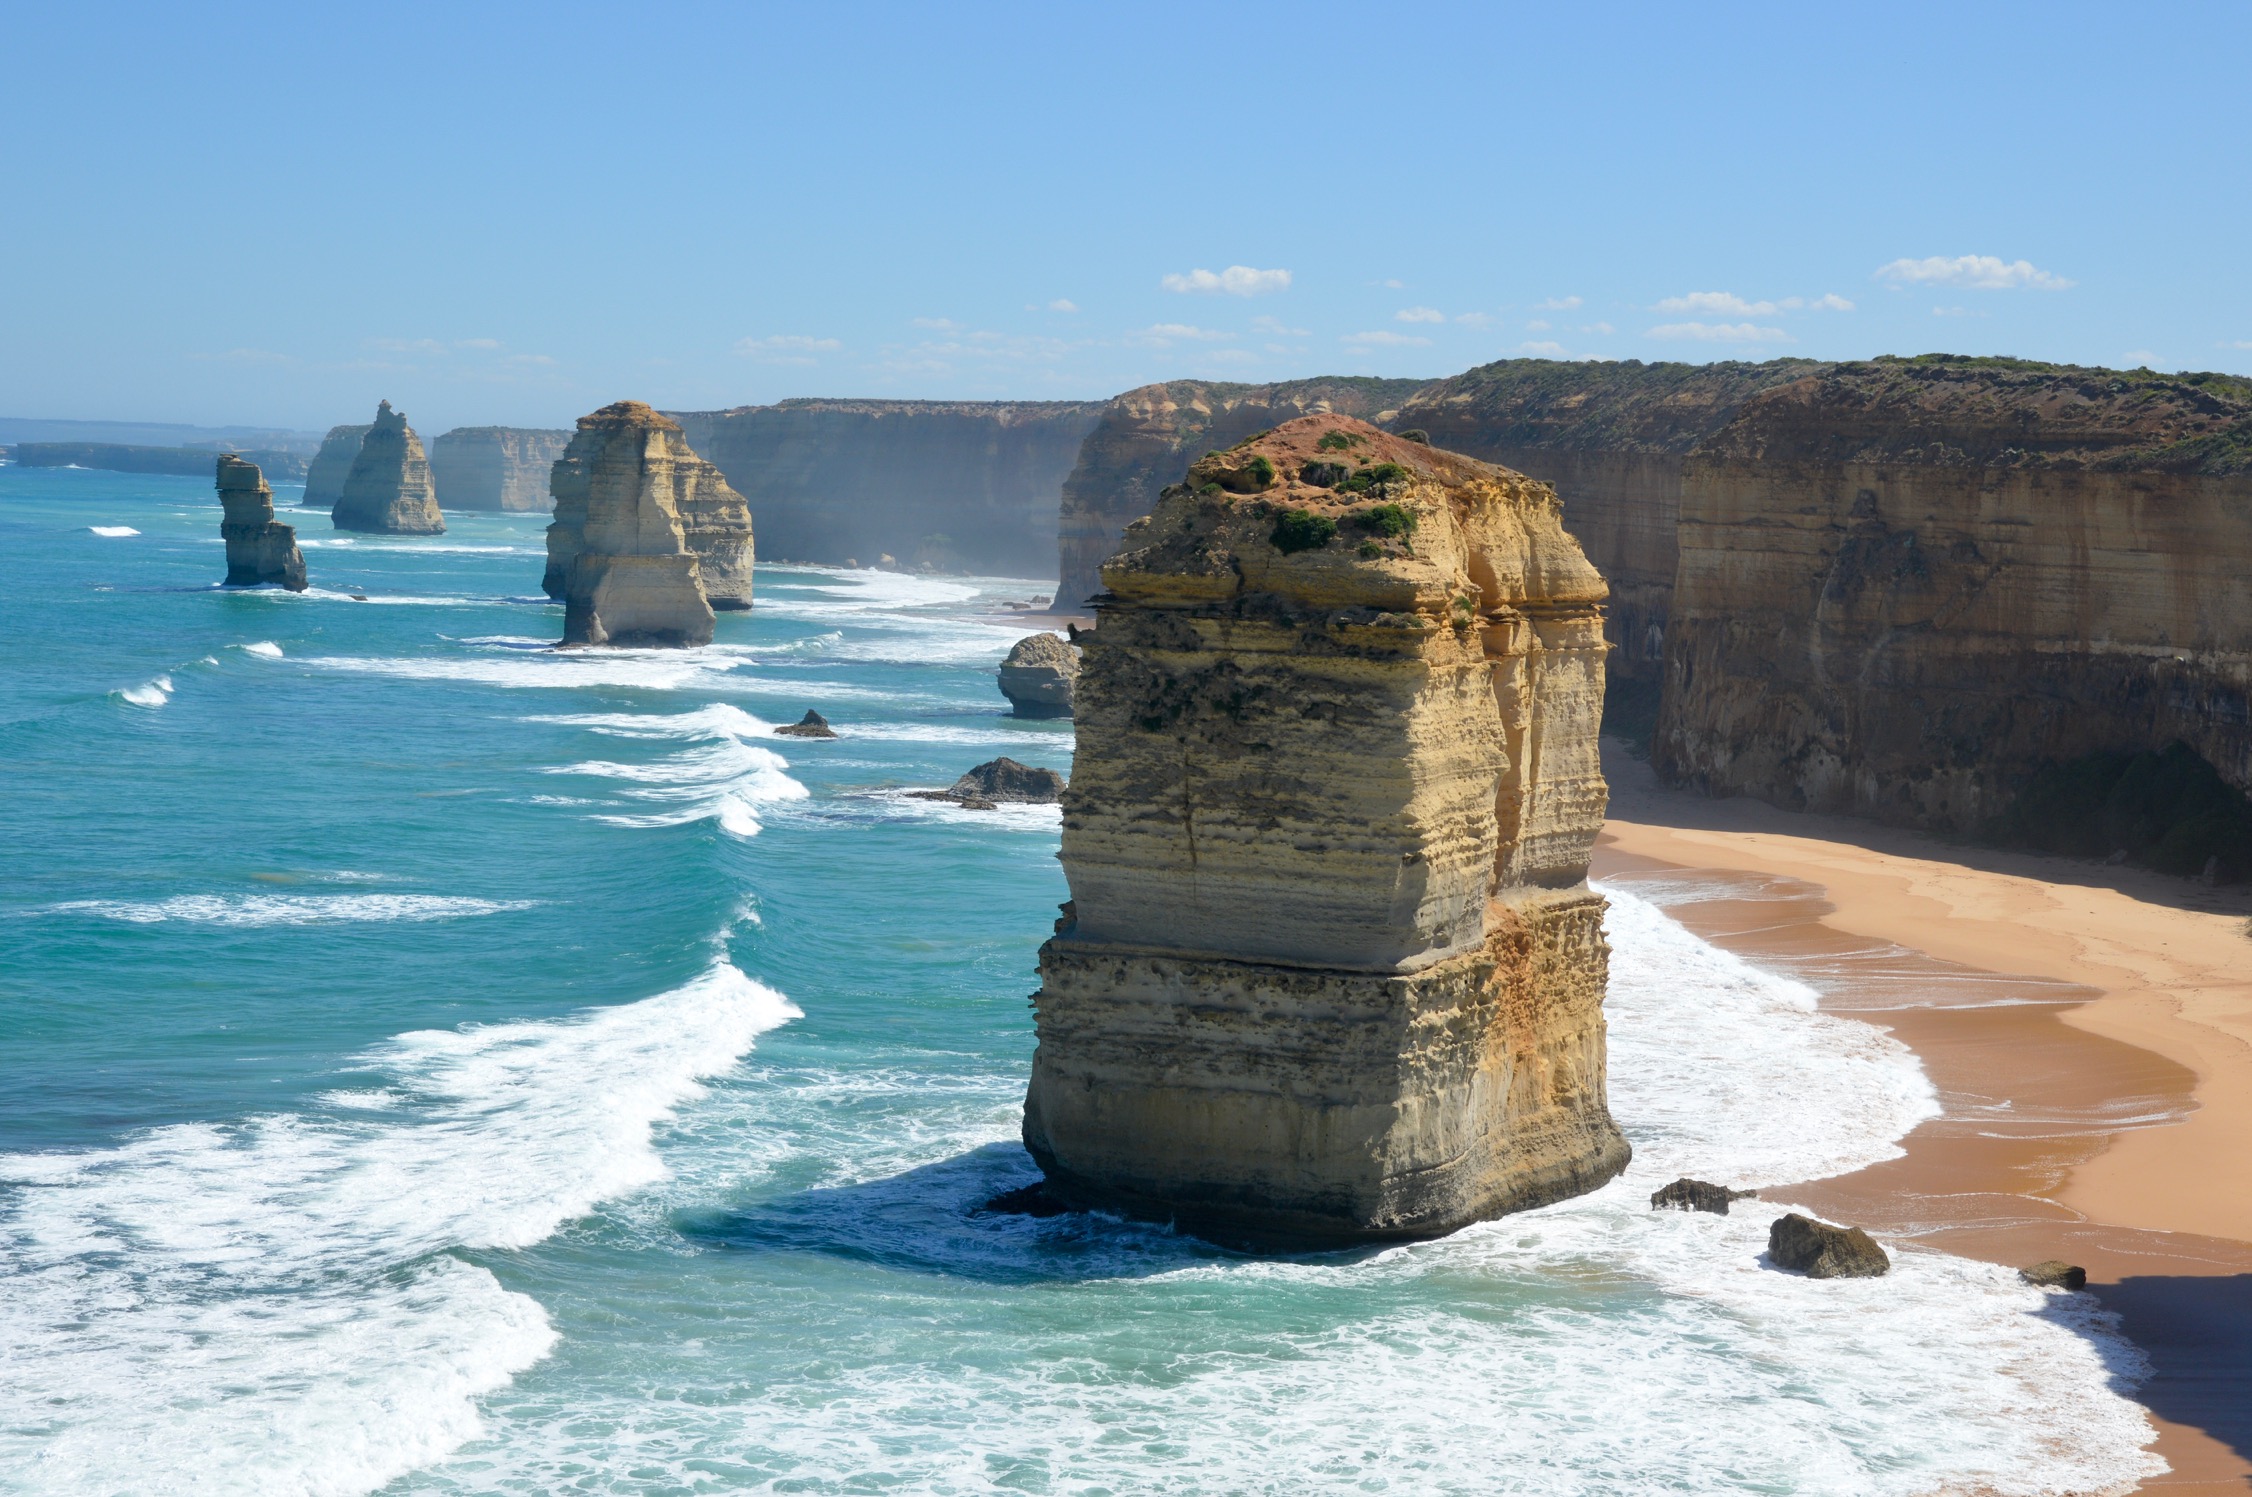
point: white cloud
(1955, 312)
(1393, 285)
(1557, 304)
(407, 345)
(536, 360)
(1275, 327)
(1236, 280)
(481, 343)
(1537, 325)
(935, 324)
(1063, 304)
(2141, 358)
(1828, 302)
(1385, 338)
(1474, 319)
(1419, 314)
(1166, 334)
(1972, 272)
(1599, 327)
(1542, 350)
(785, 348)
(1721, 332)
(1720, 303)
(2240, 343)
(1230, 356)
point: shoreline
(2089, 1029)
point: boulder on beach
(1821, 1251)
(1686, 1194)
(2055, 1273)
(812, 725)
(1040, 675)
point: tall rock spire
(388, 490)
(259, 547)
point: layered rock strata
(1331, 970)
(325, 475)
(618, 554)
(714, 521)
(260, 549)
(1039, 675)
(495, 467)
(961, 486)
(388, 491)
(1907, 585)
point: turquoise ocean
(435, 1063)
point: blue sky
(278, 214)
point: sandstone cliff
(618, 554)
(259, 548)
(1331, 970)
(115, 457)
(495, 467)
(1146, 439)
(715, 523)
(388, 490)
(942, 485)
(1905, 585)
(1039, 676)
(325, 475)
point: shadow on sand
(2197, 1332)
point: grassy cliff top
(1953, 410)
(1626, 406)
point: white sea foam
(652, 670)
(289, 909)
(718, 777)
(1043, 738)
(272, 1306)
(264, 648)
(154, 692)
(113, 531)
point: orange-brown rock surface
(1906, 584)
(617, 552)
(1331, 970)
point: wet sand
(2090, 1034)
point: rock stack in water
(715, 523)
(1039, 675)
(388, 490)
(259, 547)
(325, 475)
(617, 554)
(1331, 971)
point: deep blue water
(437, 1063)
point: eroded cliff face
(325, 475)
(957, 486)
(388, 490)
(618, 554)
(714, 521)
(1331, 969)
(1906, 584)
(1146, 439)
(260, 549)
(495, 467)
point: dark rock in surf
(2055, 1273)
(812, 725)
(1686, 1194)
(1821, 1251)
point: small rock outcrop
(1000, 782)
(388, 491)
(1821, 1251)
(617, 553)
(1332, 971)
(260, 549)
(714, 522)
(1039, 675)
(2055, 1273)
(325, 475)
(495, 467)
(812, 725)
(1697, 1195)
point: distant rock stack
(388, 490)
(1039, 675)
(617, 554)
(325, 475)
(1331, 970)
(259, 548)
(495, 467)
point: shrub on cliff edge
(1302, 530)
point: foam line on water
(716, 776)
(154, 692)
(652, 670)
(273, 1305)
(288, 909)
(113, 532)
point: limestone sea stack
(1039, 675)
(1331, 970)
(260, 548)
(715, 522)
(617, 554)
(325, 475)
(388, 490)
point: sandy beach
(2089, 1028)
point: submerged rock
(1039, 675)
(1007, 782)
(1821, 1251)
(388, 491)
(812, 725)
(2055, 1273)
(1686, 1194)
(617, 554)
(325, 475)
(259, 547)
(1333, 972)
